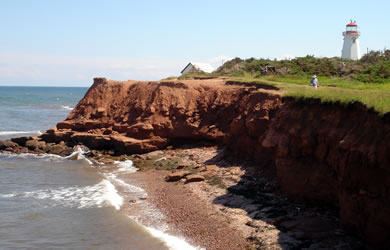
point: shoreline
(226, 214)
(188, 216)
(237, 204)
(174, 209)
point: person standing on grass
(314, 82)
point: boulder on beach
(194, 178)
(35, 144)
(7, 144)
(57, 149)
(176, 176)
(21, 140)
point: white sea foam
(8, 195)
(35, 132)
(132, 190)
(126, 166)
(103, 194)
(98, 195)
(66, 107)
(155, 217)
(47, 157)
(173, 242)
(112, 195)
(79, 154)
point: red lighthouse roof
(352, 24)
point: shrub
(372, 67)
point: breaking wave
(99, 195)
(10, 133)
(20, 132)
(126, 166)
(47, 157)
(102, 194)
(78, 154)
(173, 242)
(66, 107)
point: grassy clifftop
(344, 81)
(376, 96)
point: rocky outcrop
(36, 145)
(137, 117)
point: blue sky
(67, 43)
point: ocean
(53, 202)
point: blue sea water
(32, 110)
(53, 202)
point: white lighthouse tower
(351, 47)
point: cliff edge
(137, 117)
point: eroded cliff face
(338, 155)
(322, 152)
(136, 117)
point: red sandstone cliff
(135, 117)
(338, 155)
(322, 152)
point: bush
(373, 67)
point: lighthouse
(351, 47)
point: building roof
(205, 67)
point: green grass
(199, 76)
(343, 81)
(167, 164)
(159, 163)
(215, 181)
(155, 162)
(373, 95)
(332, 89)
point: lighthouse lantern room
(351, 47)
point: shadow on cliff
(295, 225)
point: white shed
(197, 68)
